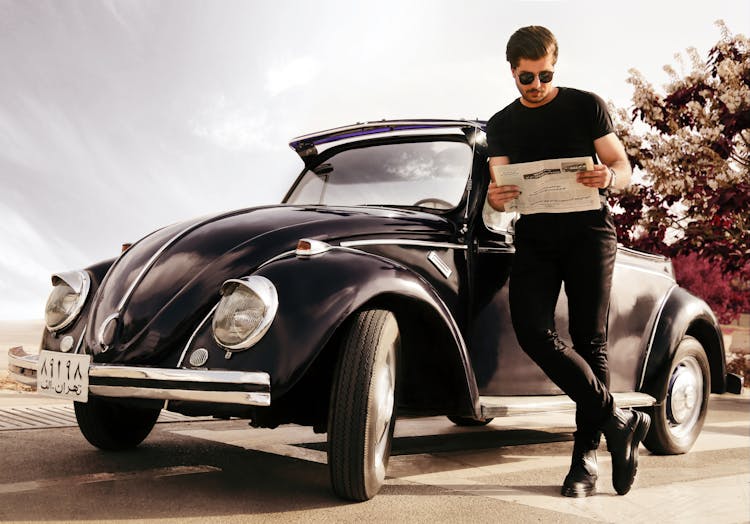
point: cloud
(25, 267)
(297, 73)
(21, 245)
(232, 124)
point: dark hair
(532, 43)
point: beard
(537, 96)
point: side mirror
(499, 222)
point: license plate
(63, 375)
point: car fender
(318, 293)
(683, 314)
(52, 342)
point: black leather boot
(581, 479)
(624, 431)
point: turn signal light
(303, 246)
(307, 247)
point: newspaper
(548, 186)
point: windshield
(429, 174)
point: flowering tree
(692, 145)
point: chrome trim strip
(642, 254)
(653, 334)
(195, 333)
(258, 378)
(400, 133)
(645, 270)
(285, 254)
(526, 405)
(470, 180)
(387, 123)
(80, 340)
(151, 261)
(122, 253)
(100, 335)
(402, 242)
(439, 264)
(223, 397)
(496, 250)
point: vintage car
(378, 287)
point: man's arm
(497, 196)
(611, 152)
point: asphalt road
(509, 471)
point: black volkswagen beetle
(378, 287)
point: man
(576, 249)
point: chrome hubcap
(685, 396)
(383, 401)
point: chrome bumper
(225, 387)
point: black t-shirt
(565, 127)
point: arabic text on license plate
(62, 375)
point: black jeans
(577, 250)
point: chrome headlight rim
(265, 290)
(80, 283)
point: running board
(520, 405)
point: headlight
(66, 299)
(245, 312)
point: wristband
(612, 178)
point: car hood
(157, 293)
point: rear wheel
(112, 426)
(362, 410)
(686, 386)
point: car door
(640, 284)
(500, 365)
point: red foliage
(710, 259)
(693, 206)
(725, 290)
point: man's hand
(598, 177)
(498, 196)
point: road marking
(63, 416)
(277, 442)
(66, 482)
(705, 500)
(471, 472)
(712, 438)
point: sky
(118, 117)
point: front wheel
(114, 427)
(362, 410)
(686, 386)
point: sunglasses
(526, 78)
